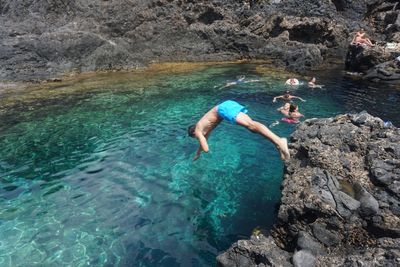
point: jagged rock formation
(340, 202)
(42, 38)
(378, 63)
(384, 16)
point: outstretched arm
(299, 98)
(251, 81)
(276, 97)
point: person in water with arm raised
(234, 113)
(287, 97)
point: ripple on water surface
(99, 171)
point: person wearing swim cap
(287, 97)
(234, 113)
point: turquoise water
(102, 175)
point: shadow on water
(99, 170)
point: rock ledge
(340, 199)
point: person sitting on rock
(361, 39)
(287, 97)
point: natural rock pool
(98, 171)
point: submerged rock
(339, 207)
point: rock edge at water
(340, 200)
(44, 38)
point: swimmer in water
(312, 84)
(287, 97)
(292, 82)
(240, 79)
(293, 113)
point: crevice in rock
(312, 34)
(379, 232)
(277, 29)
(339, 4)
(210, 16)
(258, 259)
(310, 216)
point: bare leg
(369, 42)
(256, 127)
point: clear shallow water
(99, 171)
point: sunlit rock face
(41, 39)
(340, 202)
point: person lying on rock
(287, 97)
(361, 39)
(234, 113)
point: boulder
(339, 208)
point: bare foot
(284, 150)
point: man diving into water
(234, 113)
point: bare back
(209, 121)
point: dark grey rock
(348, 202)
(303, 258)
(369, 205)
(307, 242)
(41, 39)
(326, 237)
(255, 252)
(340, 207)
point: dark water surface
(98, 171)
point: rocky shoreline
(340, 202)
(44, 39)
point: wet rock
(386, 71)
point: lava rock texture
(340, 202)
(44, 38)
(378, 63)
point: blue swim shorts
(229, 109)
